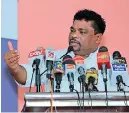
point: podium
(69, 102)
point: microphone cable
(90, 99)
(24, 106)
(83, 94)
(79, 102)
(31, 80)
(125, 99)
(122, 90)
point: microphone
(69, 66)
(103, 60)
(120, 83)
(91, 79)
(58, 73)
(80, 67)
(119, 71)
(39, 54)
(36, 59)
(50, 58)
(118, 58)
(116, 54)
(70, 48)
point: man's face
(82, 37)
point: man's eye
(82, 32)
(72, 30)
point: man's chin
(76, 49)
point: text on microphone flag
(119, 67)
(36, 53)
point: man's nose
(75, 35)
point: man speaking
(85, 36)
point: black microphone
(116, 54)
(69, 70)
(118, 58)
(35, 65)
(58, 73)
(70, 48)
(50, 58)
(91, 79)
(81, 78)
(120, 83)
(119, 70)
(120, 86)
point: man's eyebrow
(81, 29)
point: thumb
(10, 46)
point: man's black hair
(99, 24)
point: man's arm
(20, 74)
(11, 59)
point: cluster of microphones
(68, 66)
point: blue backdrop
(9, 90)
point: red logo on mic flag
(51, 54)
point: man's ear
(98, 38)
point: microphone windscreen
(116, 54)
(103, 49)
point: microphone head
(36, 62)
(67, 56)
(103, 49)
(116, 54)
(91, 80)
(79, 60)
(92, 73)
(103, 57)
(81, 70)
(119, 79)
(70, 48)
(93, 68)
(68, 60)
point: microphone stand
(37, 77)
(80, 81)
(104, 73)
(83, 88)
(49, 74)
(71, 81)
(58, 79)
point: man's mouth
(73, 42)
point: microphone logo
(70, 66)
(60, 66)
(103, 56)
(51, 54)
(36, 53)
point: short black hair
(99, 23)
